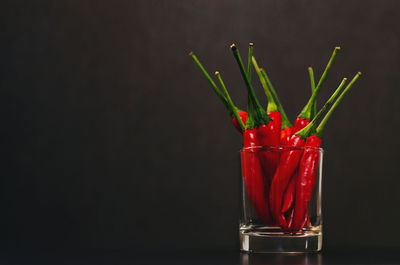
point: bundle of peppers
(279, 184)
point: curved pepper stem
(260, 117)
(312, 81)
(250, 110)
(209, 79)
(285, 121)
(310, 128)
(232, 109)
(306, 112)
(229, 101)
(272, 106)
(321, 126)
(250, 55)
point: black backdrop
(110, 136)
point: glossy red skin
(288, 196)
(250, 138)
(269, 135)
(299, 124)
(285, 135)
(243, 117)
(256, 186)
(287, 166)
(306, 222)
(277, 121)
(305, 181)
(290, 218)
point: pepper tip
(233, 47)
(191, 53)
(251, 44)
(337, 48)
(216, 73)
(359, 73)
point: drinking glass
(281, 199)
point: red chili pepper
(262, 194)
(309, 162)
(275, 105)
(304, 118)
(257, 119)
(269, 136)
(288, 196)
(289, 193)
(289, 163)
(256, 186)
(286, 167)
(305, 181)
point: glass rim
(280, 148)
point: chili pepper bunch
(279, 184)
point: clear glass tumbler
(281, 199)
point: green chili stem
(285, 121)
(249, 60)
(306, 112)
(209, 79)
(310, 128)
(271, 107)
(312, 81)
(321, 126)
(229, 101)
(260, 116)
(250, 109)
(250, 123)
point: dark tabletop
(125, 256)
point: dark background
(111, 137)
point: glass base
(273, 240)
